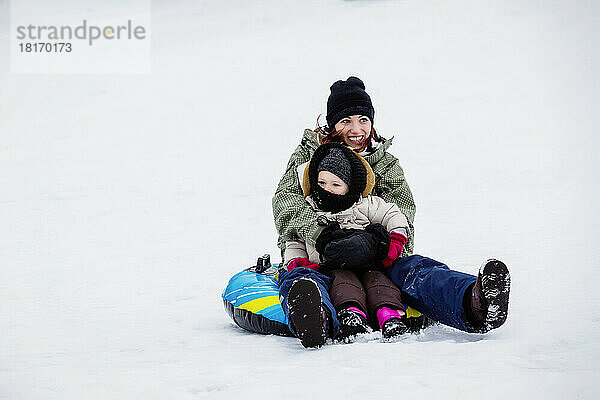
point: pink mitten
(397, 242)
(301, 262)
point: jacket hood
(304, 169)
(378, 154)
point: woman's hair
(329, 134)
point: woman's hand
(397, 242)
(301, 262)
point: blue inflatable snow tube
(252, 300)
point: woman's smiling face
(355, 131)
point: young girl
(337, 183)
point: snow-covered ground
(127, 201)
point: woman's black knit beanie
(348, 98)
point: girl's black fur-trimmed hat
(336, 163)
(361, 177)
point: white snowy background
(127, 201)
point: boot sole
(304, 303)
(495, 284)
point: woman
(350, 121)
(463, 301)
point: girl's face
(355, 131)
(332, 183)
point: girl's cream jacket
(367, 210)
